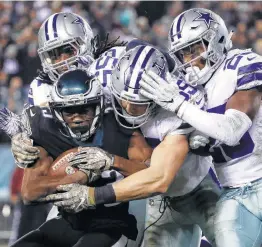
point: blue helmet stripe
(172, 32)
(132, 66)
(148, 55)
(178, 26)
(46, 31)
(54, 26)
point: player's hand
(38, 182)
(43, 76)
(35, 181)
(23, 150)
(75, 198)
(84, 61)
(10, 123)
(162, 92)
(93, 161)
(197, 140)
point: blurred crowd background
(20, 21)
(150, 21)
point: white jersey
(39, 91)
(164, 123)
(195, 167)
(242, 163)
(103, 66)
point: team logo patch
(80, 22)
(160, 66)
(69, 170)
(206, 17)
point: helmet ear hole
(221, 40)
(206, 43)
(79, 41)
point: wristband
(105, 194)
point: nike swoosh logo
(198, 102)
(170, 101)
(250, 59)
(31, 113)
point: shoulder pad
(114, 52)
(38, 93)
(249, 71)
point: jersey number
(47, 113)
(101, 64)
(233, 62)
(186, 90)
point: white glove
(84, 61)
(92, 161)
(10, 122)
(198, 139)
(75, 199)
(23, 150)
(163, 93)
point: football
(61, 167)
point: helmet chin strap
(194, 74)
(191, 75)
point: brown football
(61, 167)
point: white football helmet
(75, 90)
(125, 85)
(202, 28)
(63, 33)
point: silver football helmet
(200, 35)
(74, 92)
(125, 85)
(62, 38)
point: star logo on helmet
(125, 57)
(80, 22)
(160, 67)
(206, 17)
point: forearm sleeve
(227, 128)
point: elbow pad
(236, 125)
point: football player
(192, 182)
(65, 41)
(75, 117)
(201, 45)
(193, 192)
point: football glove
(92, 161)
(23, 150)
(161, 92)
(84, 61)
(75, 198)
(198, 139)
(43, 77)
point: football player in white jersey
(193, 192)
(179, 224)
(201, 45)
(65, 41)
